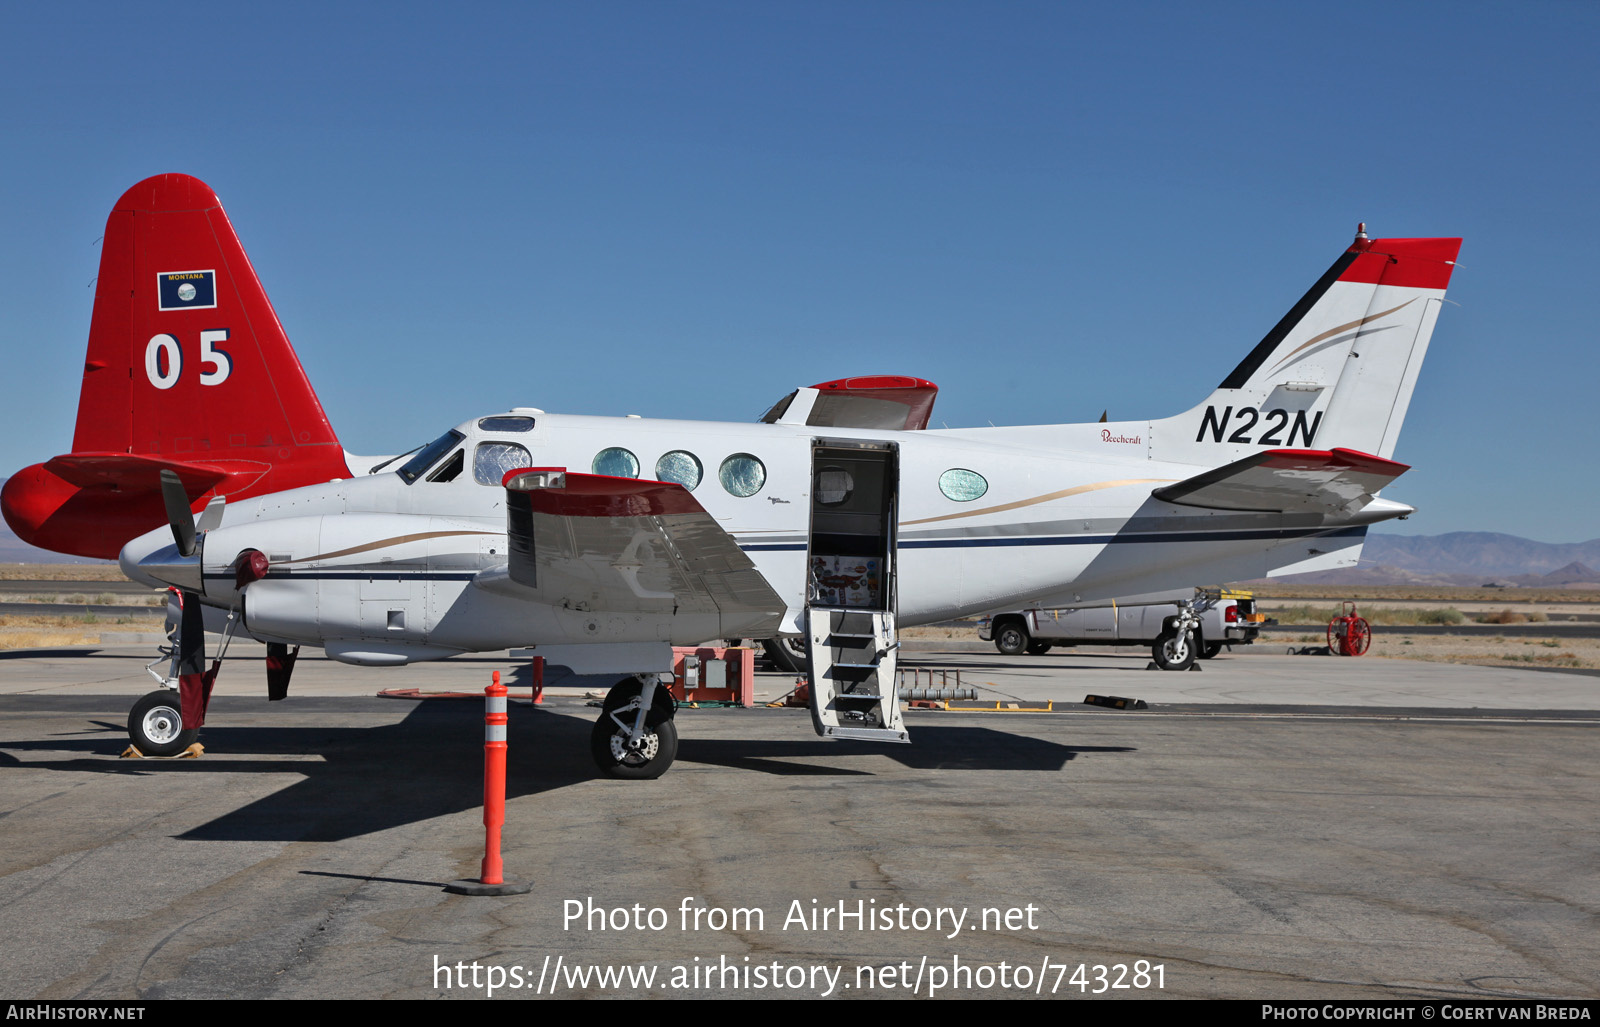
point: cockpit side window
(491, 461)
(418, 465)
(450, 469)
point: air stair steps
(851, 657)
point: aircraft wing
(1337, 481)
(622, 545)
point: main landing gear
(635, 736)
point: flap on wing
(586, 541)
(1338, 481)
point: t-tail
(188, 370)
(1336, 372)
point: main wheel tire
(788, 655)
(1037, 648)
(1210, 650)
(155, 724)
(608, 742)
(1011, 638)
(1173, 651)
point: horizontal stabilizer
(133, 472)
(1337, 481)
(619, 545)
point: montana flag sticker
(186, 290)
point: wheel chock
(1116, 702)
(194, 752)
(1003, 706)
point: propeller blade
(211, 516)
(178, 513)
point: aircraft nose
(148, 561)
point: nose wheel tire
(1173, 651)
(657, 746)
(155, 725)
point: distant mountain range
(1457, 558)
(1466, 558)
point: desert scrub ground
(20, 631)
(61, 572)
(1310, 613)
(86, 597)
(1489, 650)
(1450, 594)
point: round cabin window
(962, 485)
(742, 475)
(616, 462)
(681, 467)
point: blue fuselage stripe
(1254, 535)
(1092, 540)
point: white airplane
(601, 541)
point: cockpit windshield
(418, 465)
(779, 408)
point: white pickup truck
(1225, 618)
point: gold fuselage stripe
(1064, 493)
(383, 544)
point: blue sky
(686, 209)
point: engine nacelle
(360, 585)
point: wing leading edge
(1337, 481)
(590, 542)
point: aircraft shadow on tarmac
(57, 654)
(430, 764)
(933, 748)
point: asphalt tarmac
(1271, 827)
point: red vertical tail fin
(186, 357)
(188, 369)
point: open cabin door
(850, 590)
